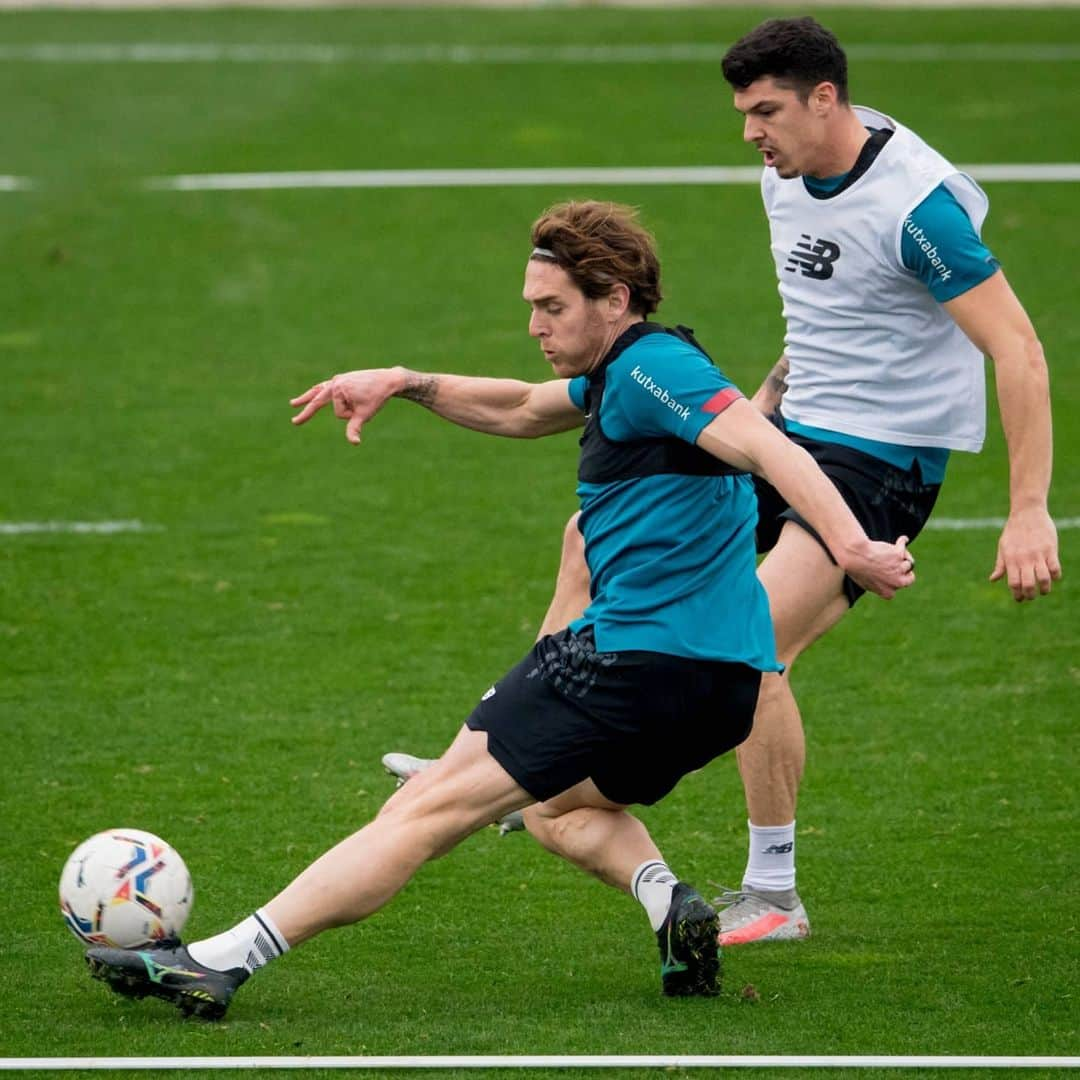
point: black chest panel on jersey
(605, 461)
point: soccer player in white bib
(891, 299)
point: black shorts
(633, 722)
(887, 502)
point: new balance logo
(814, 258)
(778, 849)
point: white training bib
(871, 352)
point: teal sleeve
(660, 387)
(576, 389)
(940, 244)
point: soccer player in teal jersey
(658, 676)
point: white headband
(544, 253)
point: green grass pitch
(231, 679)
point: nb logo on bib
(814, 258)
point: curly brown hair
(600, 244)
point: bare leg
(571, 595)
(805, 600)
(772, 759)
(599, 836)
(461, 793)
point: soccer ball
(126, 888)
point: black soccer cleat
(689, 950)
(167, 972)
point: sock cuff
(771, 830)
(271, 934)
(648, 871)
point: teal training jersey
(671, 557)
(940, 245)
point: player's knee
(556, 830)
(535, 820)
(540, 824)
(773, 690)
(797, 629)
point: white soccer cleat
(405, 766)
(751, 915)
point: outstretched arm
(743, 437)
(994, 320)
(496, 406)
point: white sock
(652, 885)
(250, 944)
(771, 862)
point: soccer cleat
(751, 915)
(404, 767)
(167, 973)
(512, 822)
(689, 951)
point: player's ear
(618, 301)
(823, 98)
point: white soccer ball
(126, 888)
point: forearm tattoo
(778, 378)
(421, 389)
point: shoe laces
(728, 897)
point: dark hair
(602, 244)
(797, 52)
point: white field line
(1027, 173)
(674, 53)
(107, 528)
(969, 524)
(1064, 172)
(454, 178)
(509, 1061)
(463, 178)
